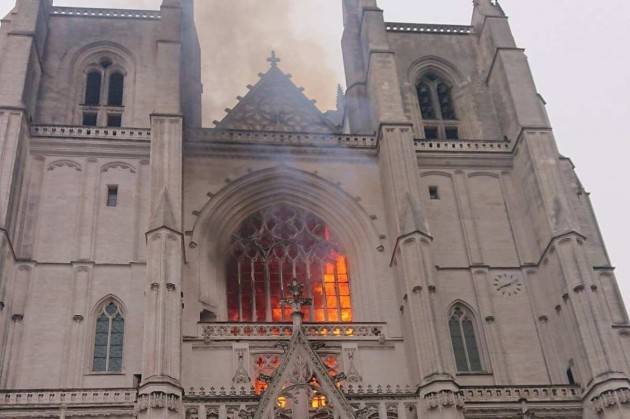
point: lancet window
(464, 339)
(270, 249)
(437, 108)
(108, 339)
(103, 97)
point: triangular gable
(299, 365)
(276, 104)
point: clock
(508, 284)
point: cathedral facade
(423, 251)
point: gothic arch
(478, 330)
(91, 325)
(86, 58)
(224, 212)
(118, 165)
(438, 65)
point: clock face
(508, 284)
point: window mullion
(267, 291)
(239, 273)
(252, 279)
(109, 343)
(461, 328)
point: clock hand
(507, 285)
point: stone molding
(612, 399)
(106, 13)
(429, 28)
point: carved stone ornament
(611, 400)
(241, 376)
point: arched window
(116, 87)
(437, 108)
(104, 94)
(93, 88)
(108, 339)
(270, 249)
(465, 344)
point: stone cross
(296, 301)
(273, 60)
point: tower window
(464, 339)
(434, 192)
(116, 87)
(104, 87)
(114, 120)
(270, 249)
(90, 119)
(112, 195)
(437, 108)
(108, 339)
(93, 88)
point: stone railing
(283, 331)
(428, 28)
(123, 134)
(123, 396)
(518, 393)
(463, 146)
(213, 136)
(106, 13)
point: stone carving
(241, 376)
(353, 376)
(445, 399)
(610, 400)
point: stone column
(88, 209)
(75, 349)
(411, 240)
(13, 349)
(160, 393)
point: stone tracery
(270, 249)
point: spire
(341, 98)
(163, 214)
(488, 8)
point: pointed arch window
(93, 88)
(103, 98)
(108, 339)
(437, 108)
(276, 245)
(465, 340)
(116, 87)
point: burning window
(270, 249)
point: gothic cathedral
(423, 251)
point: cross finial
(296, 301)
(273, 60)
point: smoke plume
(237, 36)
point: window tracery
(108, 339)
(103, 98)
(270, 249)
(437, 108)
(464, 340)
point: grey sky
(580, 59)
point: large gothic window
(108, 339)
(464, 339)
(270, 249)
(437, 108)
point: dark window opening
(452, 133)
(116, 87)
(114, 120)
(93, 88)
(434, 192)
(112, 195)
(570, 377)
(89, 119)
(431, 133)
(426, 101)
(464, 341)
